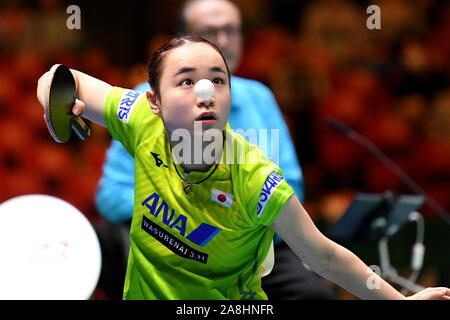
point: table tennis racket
(60, 95)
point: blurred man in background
(253, 107)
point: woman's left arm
(334, 262)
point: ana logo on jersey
(200, 236)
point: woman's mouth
(207, 118)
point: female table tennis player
(203, 229)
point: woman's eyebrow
(185, 70)
(217, 69)
(190, 69)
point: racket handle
(81, 128)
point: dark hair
(156, 64)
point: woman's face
(178, 104)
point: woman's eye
(218, 81)
(187, 82)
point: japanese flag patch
(223, 198)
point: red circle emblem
(222, 198)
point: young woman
(203, 229)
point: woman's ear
(153, 101)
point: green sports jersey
(210, 243)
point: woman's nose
(205, 103)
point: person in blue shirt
(253, 107)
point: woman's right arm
(333, 261)
(91, 95)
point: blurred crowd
(32, 38)
(390, 85)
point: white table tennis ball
(204, 89)
(48, 250)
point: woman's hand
(78, 107)
(438, 293)
(41, 87)
(91, 94)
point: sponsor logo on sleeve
(127, 104)
(271, 184)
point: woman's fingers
(439, 293)
(78, 107)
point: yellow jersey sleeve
(263, 189)
(125, 111)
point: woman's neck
(197, 156)
(196, 167)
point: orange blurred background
(318, 57)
